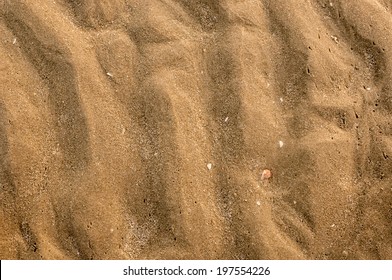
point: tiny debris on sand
(209, 166)
(266, 174)
(336, 40)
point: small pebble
(226, 119)
(280, 144)
(109, 74)
(14, 41)
(209, 166)
(266, 174)
(258, 203)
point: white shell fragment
(209, 166)
(280, 144)
(109, 74)
(14, 41)
(226, 119)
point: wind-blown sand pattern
(140, 129)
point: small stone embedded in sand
(258, 203)
(209, 166)
(109, 74)
(226, 119)
(14, 41)
(281, 99)
(280, 144)
(266, 174)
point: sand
(140, 129)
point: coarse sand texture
(203, 129)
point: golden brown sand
(140, 129)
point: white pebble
(14, 41)
(227, 118)
(280, 144)
(281, 99)
(209, 166)
(258, 203)
(109, 74)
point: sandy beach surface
(204, 129)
